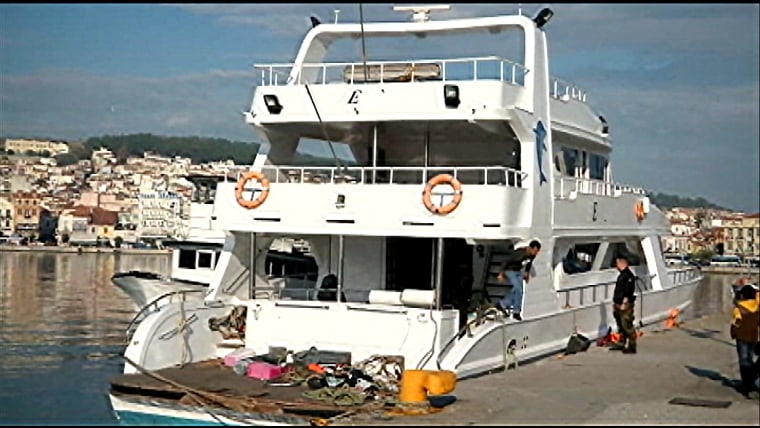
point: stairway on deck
(491, 290)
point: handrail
(367, 175)
(508, 71)
(592, 186)
(593, 288)
(560, 88)
(154, 302)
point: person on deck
(516, 268)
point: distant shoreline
(83, 250)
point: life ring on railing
(252, 203)
(638, 210)
(427, 194)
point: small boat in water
(192, 270)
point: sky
(677, 83)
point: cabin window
(205, 259)
(570, 157)
(187, 259)
(597, 167)
(217, 254)
(630, 248)
(579, 258)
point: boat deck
(216, 386)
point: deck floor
(226, 389)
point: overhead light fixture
(605, 127)
(451, 96)
(273, 104)
(543, 17)
(340, 201)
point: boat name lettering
(354, 98)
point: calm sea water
(62, 332)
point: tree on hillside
(699, 218)
(65, 159)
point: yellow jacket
(745, 325)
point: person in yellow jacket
(745, 329)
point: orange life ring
(428, 193)
(253, 203)
(638, 210)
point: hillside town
(148, 199)
(97, 201)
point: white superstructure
(530, 159)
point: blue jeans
(513, 299)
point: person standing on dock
(516, 268)
(745, 330)
(623, 301)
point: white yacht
(458, 159)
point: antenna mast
(364, 47)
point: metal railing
(683, 275)
(563, 90)
(643, 284)
(454, 69)
(479, 175)
(153, 304)
(586, 186)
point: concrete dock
(696, 360)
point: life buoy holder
(255, 202)
(638, 210)
(427, 194)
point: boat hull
(145, 287)
(543, 336)
(134, 411)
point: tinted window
(187, 259)
(204, 259)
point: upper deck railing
(478, 175)
(563, 90)
(477, 68)
(585, 186)
(492, 68)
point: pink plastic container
(264, 371)
(238, 354)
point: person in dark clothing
(623, 299)
(516, 268)
(745, 330)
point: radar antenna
(421, 13)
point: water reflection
(62, 333)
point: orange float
(253, 203)
(638, 210)
(427, 195)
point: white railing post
(382, 72)
(514, 74)
(475, 69)
(501, 70)
(443, 66)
